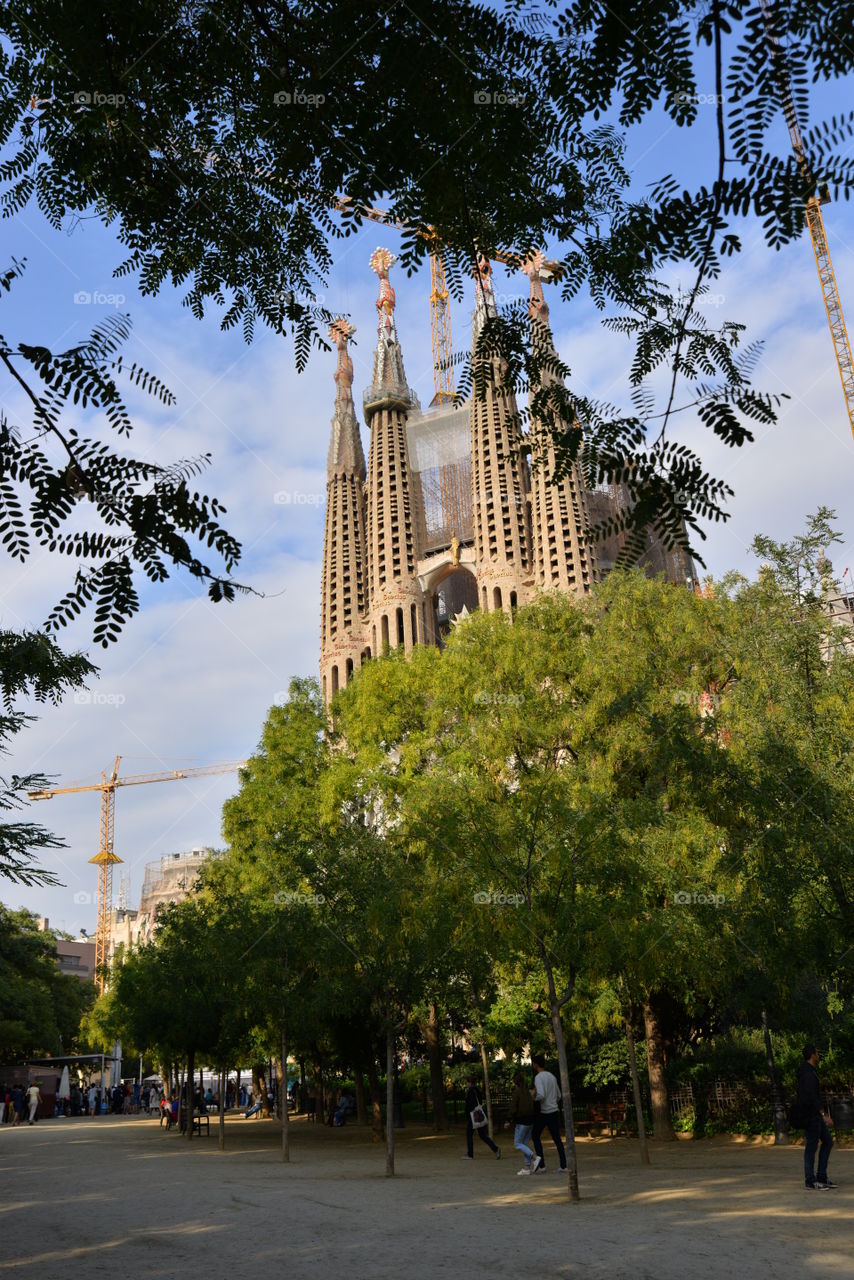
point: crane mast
(818, 235)
(106, 857)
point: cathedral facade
(451, 513)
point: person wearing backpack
(547, 1093)
(809, 1113)
(476, 1122)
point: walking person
(476, 1122)
(522, 1119)
(34, 1097)
(810, 1115)
(547, 1094)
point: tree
(31, 665)
(40, 1008)
(220, 151)
(143, 512)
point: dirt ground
(120, 1197)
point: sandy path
(119, 1197)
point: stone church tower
(563, 555)
(456, 510)
(500, 476)
(344, 586)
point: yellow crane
(106, 857)
(818, 235)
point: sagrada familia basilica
(452, 513)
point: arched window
(399, 626)
(496, 597)
(334, 681)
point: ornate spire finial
(345, 448)
(536, 271)
(382, 260)
(483, 286)
(341, 331)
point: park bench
(199, 1118)
(601, 1115)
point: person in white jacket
(547, 1093)
(34, 1097)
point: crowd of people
(19, 1104)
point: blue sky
(190, 683)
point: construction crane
(106, 857)
(818, 235)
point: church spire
(502, 535)
(388, 384)
(398, 614)
(560, 524)
(345, 443)
(344, 583)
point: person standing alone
(815, 1126)
(547, 1093)
(34, 1097)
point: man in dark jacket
(473, 1104)
(815, 1126)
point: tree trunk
(259, 1080)
(318, 1089)
(487, 1092)
(636, 1091)
(563, 1068)
(376, 1101)
(781, 1125)
(433, 1037)
(389, 1098)
(283, 1097)
(223, 1078)
(189, 1085)
(662, 1124)
(361, 1107)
